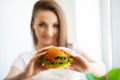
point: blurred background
(93, 24)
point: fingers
(79, 64)
(68, 51)
(34, 67)
(75, 68)
(37, 56)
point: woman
(48, 28)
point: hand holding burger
(61, 57)
(55, 58)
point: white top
(53, 74)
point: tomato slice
(50, 59)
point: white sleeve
(19, 63)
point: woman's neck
(39, 46)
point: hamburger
(55, 58)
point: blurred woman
(48, 26)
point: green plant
(114, 74)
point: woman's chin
(48, 43)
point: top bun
(54, 52)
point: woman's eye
(41, 24)
(56, 25)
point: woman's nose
(49, 31)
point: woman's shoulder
(26, 54)
(23, 59)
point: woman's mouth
(47, 37)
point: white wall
(98, 29)
(14, 31)
(69, 9)
(88, 22)
(111, 32)
(115, 27)
(106, 33)
(15, 34)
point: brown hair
(54, 7)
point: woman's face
(46, 27)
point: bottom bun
(55, 66)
